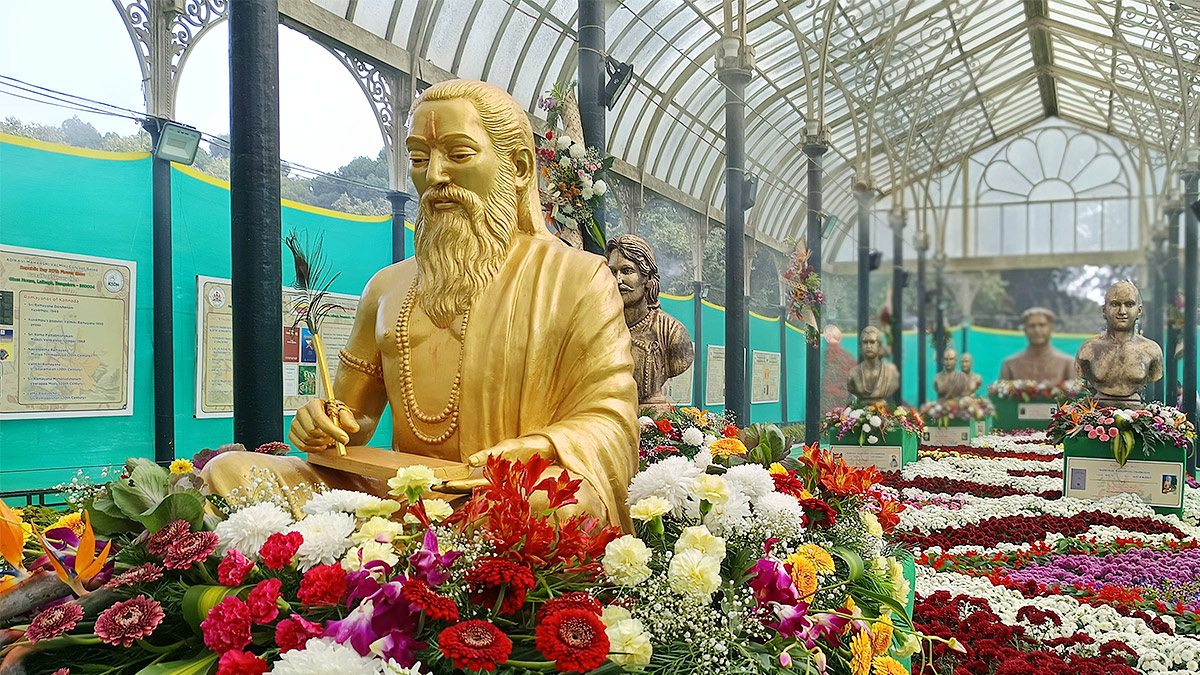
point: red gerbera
(127, 621)
(574, 639)
(263, 601)
(237, 662)
(475, 645)
(293, 633)
(159, 541)
(227, 625)
(54, 622)
(280, 548)
(190, 549)
(492, 574)
(420, 595)
(575, 600)
(664, 426)
(729, 431)
(138, 575)
(233, 568)
(323, 585)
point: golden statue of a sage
(495, 338)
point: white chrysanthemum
(700, 539)
(752, 480)
(326, 538)
(727, 518)
(673, 479)
(377, 529)
(358, 556)
(626, 560)
(781, 515)
(629, 644)
(324, 656)
(703, 459)
(693, 436)
(694, 574)
(645, 421)
(247, 529)
(331, 501)
(392, 667)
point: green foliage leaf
(187, 506)
(853, 561)
(201, 665)
(106, 517)
(198, 600)
(145, 487)
(903, 618)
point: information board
(714, 390)
(679, 388)
(1157, 483)
(764, 377)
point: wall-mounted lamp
(749, 191)
(619, 76)
(176, 142)
(704, 291)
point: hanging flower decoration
(806, 296)
(572, 186)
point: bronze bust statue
(1117, 365)
(974, 380)
(950, 383)
(1039, 361)
(662, 347)
(873, 380)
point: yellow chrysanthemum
(881, 635)
(72, 520)
(727, 447)
(819, 557)
(181, 466)
(804, 575)
(777, 469)
(886, 665)
(849, 604)
(860, 654)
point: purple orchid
(772, 583)
(385, 623)
(429, 564)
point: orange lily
(12, 539)
(87, 563)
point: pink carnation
(233, 568)
(227, 625)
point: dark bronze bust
(662, 347)
(1039, 361)
(974, 380)
(950, 383)
(1118, 364)
(873, 380)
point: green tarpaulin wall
(98, 203)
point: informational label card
(1036, 411)
(679, 388)
(714, 390)
(882, 457)
(764, 377)
(946, 436)
(1157, 483)
(981, 427)
(66, 334)
(214, 346)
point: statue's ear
(523, 161)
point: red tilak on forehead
(431, 127)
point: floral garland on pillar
(806, 298)
(571, 184)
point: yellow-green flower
(181, 466)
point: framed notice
(1157, 483)
(1036, 411)
(214, 346)
(66, 334)
(943, 436)
(714, 390)
(679, 388)
(882, 457)
(764, 377)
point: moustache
(449, 194)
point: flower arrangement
(1029, 390)
(806, 297)
(572, 185)
(1156, 424)
(870, 424)
(685, 432)
(943, 412)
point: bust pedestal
(1090, 472)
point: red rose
(293, 633)
(475, 645)
(664, 426)
(323, 585)
(280, 548)
(263, 600)
(236, 662)
(574, 639)
(227, 626)
(233, 568)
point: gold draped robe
(546, 353)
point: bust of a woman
(1118, 364)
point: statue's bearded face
(631, 283)
(468, 209)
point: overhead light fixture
(176, 142)
(619, 75)
(704, 291)
(749, 191)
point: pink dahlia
(190, 549)
(138, 575)
(54, 622)
(130, 620)
(161, 540)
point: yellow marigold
(804, 575)
(181, 466)
(72, 520)
(727, 447)
(886, 665)
(861, 654)
(819, 557)
(881, 635)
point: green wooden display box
(1017, 414)
(958, 432)
(1089, 471)
(896, 444)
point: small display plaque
(882, 457)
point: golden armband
(361, 365)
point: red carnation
(664, 426)
(421, 596)
(236, 662)
(574, 639)
(190, 549)
(159, 541)
(323, 585)
(227, 626)
(818, 513)
(574, 600)
(295, 632)
(233, 568)
(263, 600)
(280, 548)
(492, 574)
(475, 645)
(127, 621)
(54, 622)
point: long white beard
(458, 251)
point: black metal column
(399, 201)
(922, 303)
(864, 193)
(1152, 319)
(164, 312)
(591, 92)
(1191, 270)
(255, 221)
(700, 363)
(1173, 211)
(783, 371)
(941, 336)
(897, 218)
(814, 149)
(736, 393)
